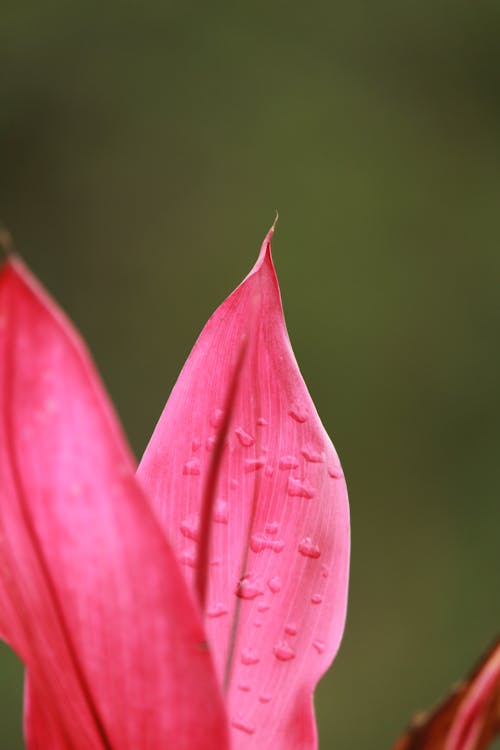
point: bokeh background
(144, 148)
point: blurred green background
(144, 148)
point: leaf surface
(274, 581)
(91, 596)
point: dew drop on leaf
(308, 549)
(192, 467)
(217, 610)
(253, 464)
(298, 413)
(249, 657)
(248, 589)
(288, 462)
(283, 651)
(319, 646)
(265, 697)
(274, 584)
(216, 417)
(244, 437)
(244, 726)
(298, 488)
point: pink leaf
(278, 565)
(91, 596)
(481, 707)
(469, 717)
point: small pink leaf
(285, 546)
(468, 719)
(91, 596)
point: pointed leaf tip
(264, 254)
(279, 551)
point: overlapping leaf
(91, 596)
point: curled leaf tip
(265, 255)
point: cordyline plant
(195, 602)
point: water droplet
(291, 629)
(316, 598)
(335, 472)
(275, 584)
(217, 610)
(248, 589)
(221, 511)
(192, 467)
(299, 488)
(263, 607)
(244, 726)
(249, 657)
(308, 549)
(314, 457)
(190, 527)
(283, 651)
(253, 464)
(288, 462)
(324, 571)
(262, 422)
(210, 444)
(260, 542)
(265, 698)
(196, 444)
(233, 484)
(244, 687)
(269, 470)
(271, 527)
(298, 413)
(319, 646)
(244, 437)
(188, 558)
(216, 417)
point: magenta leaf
(479, 713)
(468, 718)
(278, 521)
(91, 596)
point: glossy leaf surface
(274, 581)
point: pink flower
(197, 603)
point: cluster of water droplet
(267, 539)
